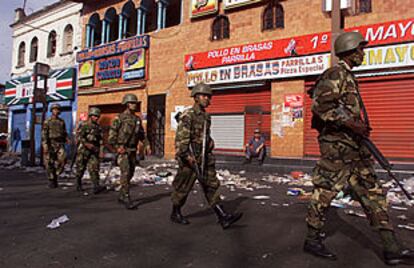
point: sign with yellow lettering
(203, 7)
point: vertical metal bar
(335, 28)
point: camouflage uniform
(54, 136)
(126, 130)
(89, 133)
(190, 131)
(344, 162)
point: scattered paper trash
(261, 197)
(355, 213)
(55, 223)
(399, 208)
(296, 174)
(409, 226)
(164, 174)
(402, 217)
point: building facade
(260, 57)
(50, 36)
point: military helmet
(94, 111)
(201, 88)
(55, 106)
(348, 41)
(129, 98)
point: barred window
(51, 47)
(21, 54)
(33, 49)
(365, 6)
(68, 38)
(221, 28)
(273, 16)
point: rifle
(383, 162)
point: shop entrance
(156, 124)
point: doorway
(156, 124)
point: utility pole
(337, 26)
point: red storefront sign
(376, 34)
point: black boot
(53, 184)
(97, 188)
(317, 248)
(126, 201)
(247, 161)
(226, 219)
(79, 185)
(404, 256)
(177, 217)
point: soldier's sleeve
(83, 133)
(113, 132)
(327, 98)
(45, 133)
(101, 143)
(182, 136)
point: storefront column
(139, 21)
(121, 27)
(103, 38)
(88, 35)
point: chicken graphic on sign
(201, 3)
(291, 48)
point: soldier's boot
(177, 217)
(79, 187)
(125, 199)
(313, 245)
(97, 188)
(226, 219)
(393, 253)
(53, 184)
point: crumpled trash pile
(238, 181)
(10, 161)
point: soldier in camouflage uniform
(189, 147)
(337, 107)
(54, 136)
(124, 135)
(90, 150)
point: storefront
(271, 79)
(108, 72)
(19, 93)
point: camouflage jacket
(336, 99)
(190, 131)
(90, 132)
(126, 130)
(54, 131)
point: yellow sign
(134, 60)
(86, 69)
(203, 7)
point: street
(102, 233)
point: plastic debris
(402, 217)
(261, 197)
(409, 226)
(295, 191)
(55, 223)
(296, 174)
(355, 213)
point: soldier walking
(54, 136)
(90, 150)
(194, 153)
(124, 135)
(337, 107)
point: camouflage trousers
(87, 160)
(339, 168)
(55, 160)
(185, 179)
(126, 163)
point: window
(95, 31)
(365, 6)
(273, 16)
(68, 39)
(129, 20)
(149, 15)
(21, 54)
(173, 13)
(33, 49)
(51, 47)
(111, 22)
(221, 28)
